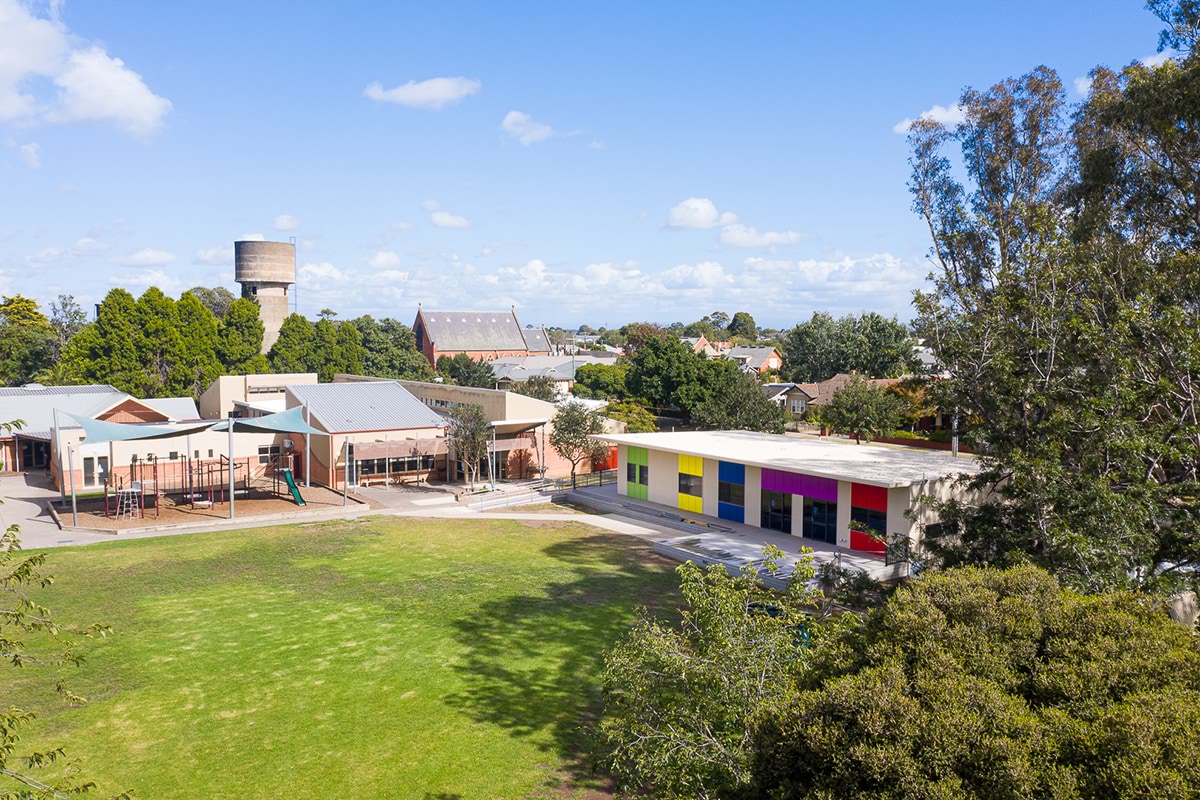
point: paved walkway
(25, 498)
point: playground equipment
(130, 498)
(281, 467)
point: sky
(596, 163)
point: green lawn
(362, 659)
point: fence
(581, 481)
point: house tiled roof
(522, 368)
(537, 340)
(823, 392)
(364, 406)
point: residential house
(823, 391)
(792, 397)
(560, 369)
(482, 335)
(760, 360)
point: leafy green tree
(216, 299)
(350, 351)
(293, 350)
(982, 683)
(737, 403)
(822, 347)
(604, 381)
(635, 416)
(574, 427)
(662, 371)
(539, 387)
(635, 335)
(467, 430)
(1064, 311)
(390, 350)
(198, 365)
(742, 325)
(240, 338)
(864, 409)
(67, 318)
(26, 340)
(161, 345)
(109, 350)
(325, 349)
(682, 701)
(466, 371)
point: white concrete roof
(877, 466)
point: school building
(807, 487)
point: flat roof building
(801, 486)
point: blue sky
(599, 163)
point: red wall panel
(872, 497)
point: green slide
(287, 473)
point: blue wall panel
(731, 512)
(731, 473)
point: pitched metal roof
(174, 408)
(522, 368)
(537, 340)
(36, 404)
(473, 330)
(364, 406)
(754, 356)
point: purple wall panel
(795, 483)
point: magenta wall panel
(794, 483)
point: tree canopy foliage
(635, 416)
(466, 371)
(574, 426)
(870, 343)
(27, 340)
(601, 381)
(737, 403)
(468, 434)
(863, 409)
(539, 387)
(1064, 310)
(982, 683)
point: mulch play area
(259, 501)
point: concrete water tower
(266, 270)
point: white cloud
(139, 280)
(444, 219)
(596, 144)
(742, 236)
(222, 254)
(85, 246)
(389, 276)
(1083, 85)
(324, 272)
(384, 259)
(91, 85)
(698, 212)
(1158, 59)
(525, 129)
(285, 222)
(434, 93)
(31, 155)
(146, 257)
(946, 115)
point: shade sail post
(74, 507)
(231, 469)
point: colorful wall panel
(641, 457)
(794, 483)
(872, 497)
(728, 472)
(691, 465)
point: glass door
(820, 520)
(776, 511)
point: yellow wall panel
(691, 465)
(690, 503)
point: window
(265, 454)
(776, 511)
(734, 493)
(174, 454)
(870, 518)
(210, 453)
(102, 468)
(690, 484)
(631, 473)
(89, 472)
(820, 520)
(643, 475)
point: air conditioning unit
(288, 443)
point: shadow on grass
(533, 661)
